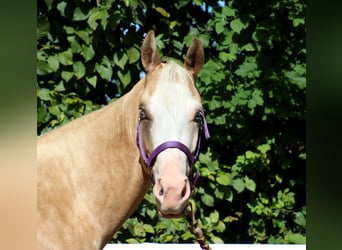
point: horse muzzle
(171, 196)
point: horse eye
(198, 118)
(142, 115)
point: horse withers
(94, 171)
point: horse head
(171, 120)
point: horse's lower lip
(169, 216)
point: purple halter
(149, 160)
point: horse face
(169, 109)
(169, 112)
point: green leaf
(151, 213)
(44, 94)
(224, 179)
(125, 78)
(220, 120)
(60, 86)
(181, 3)
(211, 66)
(105, 69)
(65, 57)
(296, 238)
(79, 69)
(249, 66)
(72, 99)
(236, 25)
(84, 34)
(79, 15)
(104, 18)
(228, 195)
(187, 235)
(264, 148)
(49, 4)
(163, 12)
(66, 75)
(216, 240)
(224, 56)
(43, 68)
(298, 21)
(172, 24)
(218, 194)
(120, 60)
(41, 113)
(126, 2)
(132, 241)
(258, 100)
(250, 155)
(105, 72)
(250, 184)
(92, 20)
(205, 158)
(69, 30)
(75, 46)
(208, 200)
(238, 185)
(251, 104)
(54, 110)
(61, 7)
(278, 178)
(149, 229)
(198, 2)
(43, 26)
(300, 219)
(214, 217)
(139, 230)
(92, 80)
(296, 78)
(133, 55)
(227, 11)
(248, 47)
(219, 27)
(166, 238)
(88, 52)
(204, 38)
(220, 227)
(205, 172)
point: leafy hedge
(252, 185)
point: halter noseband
(149, 160)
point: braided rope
(194, 227)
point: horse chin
(169, 216)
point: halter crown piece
(149, 160)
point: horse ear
(194, 57)
(149, 53)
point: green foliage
(253, 86)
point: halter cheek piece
(149, 160)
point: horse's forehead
(172, 82)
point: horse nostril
(183, 192)
(161, 192)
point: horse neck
(93, 164)
(126, 181)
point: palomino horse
(94, 171)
